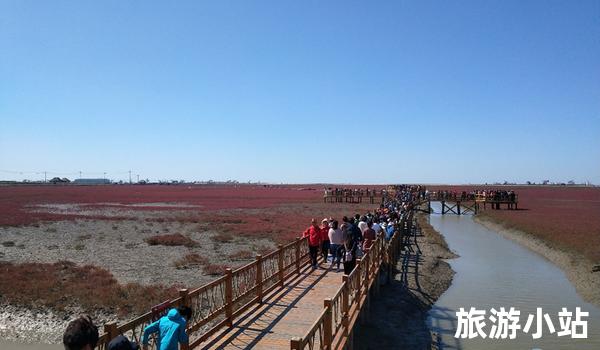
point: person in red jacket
(314, 241)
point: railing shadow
(276, 299)
(409, 322)
(443, 325)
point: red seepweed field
(17, 202)
(119, 236)
(133, 238)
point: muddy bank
(580, 271)
(398, 315)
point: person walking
(336, 237)
(170, 330)
(368, 237)
(325, 242)
(314, 242)
(350, 246)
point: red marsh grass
(63, 284)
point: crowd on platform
(486, 194)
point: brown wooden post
(280, 263)
(298, 242)
(259, 278)
(345, 306)
(296, 343)
(183, 293)
(328, 326)
(380, 258)
(358, 273)
(367, 268)
(111, 329)
(229, 296)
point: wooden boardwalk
(285, 313)
(277, 301)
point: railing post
(183, 293)
(328, 326)
(298, 242)
(345, 306)
(296, 343)
(111, 329)
(358, 274)
(259, 278)
(280, 263)
(229, 296)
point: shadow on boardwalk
(398, 318)
(285, 313)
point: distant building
(91, 181)
(58, 180)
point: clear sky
(302, 91)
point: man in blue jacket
(170, 330)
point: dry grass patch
(241, 255)
(175, 239)
(223, 237)
(191, 260)
(214, 269)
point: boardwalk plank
(287, 312)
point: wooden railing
(219, 302)
(333, 327)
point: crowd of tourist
(342, 243)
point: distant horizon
(237, 182)
(310, 92)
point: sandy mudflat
(579, 270)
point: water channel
(492, 272)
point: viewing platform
(460, 204)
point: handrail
(217, 303)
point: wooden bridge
(278, 301)
(356, 195)
(461, 205)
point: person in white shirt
(362, 224)
(336, 238)
(376, 227)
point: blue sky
(302, 91)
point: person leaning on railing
(170, 330)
